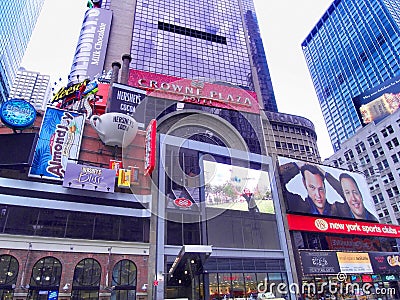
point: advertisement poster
(378, 102)
(352, 262)
(385, 262)
(59, 142)
(310, 188)
(91, 178)
(237, 188)
(319, 262)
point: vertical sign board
(150, 155)
(59, 142)
(98, 30)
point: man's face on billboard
(353, 197)
(314, 184)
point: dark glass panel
(80, 225)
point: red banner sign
(194, 91)
(150, 155)
(328, 225)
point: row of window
(294, 147)
(67, 224)
(46, 276)
(293, 129)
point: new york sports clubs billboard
(310, 188)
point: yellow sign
(124, 178)
(353, 262)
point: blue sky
(283, 24)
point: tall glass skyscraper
(17, 20)
(354, 47)
(218, 41)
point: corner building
(354, 47)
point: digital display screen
(237, 188)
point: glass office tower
(354, 47)
(17, 20)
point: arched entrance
(202, 127)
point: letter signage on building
(59, 142)
(354, 262)
(124, 99)
(93, 41)
(89, 178)
(17, 114)
(194, 91)
(319, 262)
(339, 226)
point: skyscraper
(32, 87)
(354, 47)
(17, 20)
(217, 41)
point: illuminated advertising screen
(379, 102)
(310, 188)
(237, 188)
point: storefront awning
(191, 259)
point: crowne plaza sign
(194, 91)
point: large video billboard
(310, 188)
(237, 188)
(378, 102)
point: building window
(395, 158)
(392, 143)
(360, 148)
(124, 280)
(86, 281)
(8, 275)
(192, 32)
(46, 276)
(381, 39)
(373, 139)
(348, 155)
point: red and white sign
(328, 225)
(183, 202)
(194, 91)
(150, 155)
(115, 165)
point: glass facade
(217, 41)
(213, 199)
(17, 20)
(354, 47)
